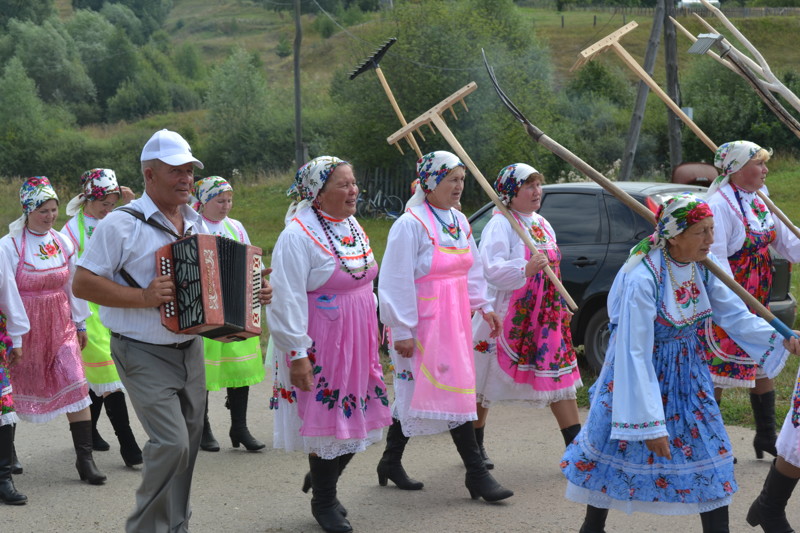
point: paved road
(260, 492)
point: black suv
(595, 233)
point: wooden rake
(372, 62)
(434, 119)
(538, 135)
(612, 41)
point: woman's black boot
(390, 467)
(8, 493)
(16, 466)
(479, 481)
(207, 442)
(595, 520)
(479, 439)
(343, 460)
(98, 443)
(84, 463)
(324, 504)
(769, 509)
(764, 414)
(237, 403)
(570, 433)
(117, 411)
(715, 521)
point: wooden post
(673, 86)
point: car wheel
(595, 341)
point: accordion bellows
(217, 282)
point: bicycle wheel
(362, 208)
(393, 206)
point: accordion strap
(138, 214)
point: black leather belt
(174, 345)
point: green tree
(145, 94)
(36, 11)
(23, 119)
(122, 17)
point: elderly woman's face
(528, 198)
(751, 176)
(447, 193)
(694, 243)
(339, 195)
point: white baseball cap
(170, 148)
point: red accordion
(217, 283)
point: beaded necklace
(677, 286)
(348, 241)
(453, 230)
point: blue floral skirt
(625, 475)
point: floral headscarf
(96, 183)
(672, 219)
(730, 158)
(33, 193)
(206, 189)
(309, 180)
(431, 169)
(511, 179)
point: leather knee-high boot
(769, 509)
(343, 461)
(390, 465)
(8, 493)
(764, 414)
(237, 403)
(479, 439)
(207, 442)
(570, 433)
(16, 466)
(117, 411)
(84, 462)
(715, 521)
(324, 504)
(595, 520)
(99, 444)
(478, 480)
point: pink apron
(349, 397)
(444, 369)
(49, 379)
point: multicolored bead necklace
(453, 230)
(348, 241)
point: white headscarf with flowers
(729, 158)
(308, 181)
(431, 169)
(97, 183)
(34, 192)
(511, 179)
(206, 189)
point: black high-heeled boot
(8, 492)
(478, 480)
(479, 439)
(237, 403)
(595, 520)
(764, 414)
(324, 476)
(570, 433)
(769, 509)
(99, 444)
(84, 462)
(390, 467)
(117, 411)
(343, 460)
(715, 521)
(207, 442)
(16, 465)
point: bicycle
(380, 205)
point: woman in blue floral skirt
(654, 440)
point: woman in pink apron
(328, 395)
(533, 360)
(431, 281)
(49, 380)
(743, 231)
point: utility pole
(673, 87)
(641, 96)
(299, 154)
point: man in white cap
(162, 371)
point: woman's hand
(265, 294)
(404, 348)
(127, 195)
(659, 446)
(494, 322)
(301, 374)
(13, 357)
(536, 264)
(793, 344)
(83, 339)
